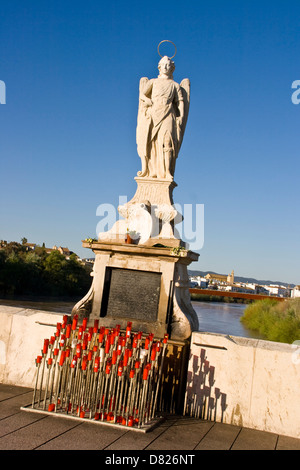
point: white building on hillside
(278, 291)
(295, 292)
(198, 281)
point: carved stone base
(150, 214)
(154, 191)
(146, 285)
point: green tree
(39, 273)
(54, 266)
(14, 273)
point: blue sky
(67, 143)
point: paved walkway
(22, 430)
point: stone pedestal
(146, 280)
(147, 285)
(154, 190)
(150, 214)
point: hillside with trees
(26, 272)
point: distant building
(63, 250)
(89, 260)
(295, 292)
(277, 291)
(30, 246)
(261, 290)
(236, 288)
(220, 278)
(243, 288)
(198, 281)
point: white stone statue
(162, 116)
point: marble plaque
(131, 294)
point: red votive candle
(52, 340)
(74, 322)
(80, 332)
(107, 345)
(62, 341)
(96, 364)
(96, 325)
(78, 350)
(39, 359)
(68, 330)
(74, 362)
(46, 344)
(130, 421)
(84, 323)
(62, 358)
(58, 328)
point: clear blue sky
(72, 71)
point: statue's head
(166, 66)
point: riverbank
(232, 295)
(277, 321)
(217, 298)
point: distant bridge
(237, 295)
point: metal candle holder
(103, 375)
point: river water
(221, 317)
(214, 317)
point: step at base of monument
(147, 427)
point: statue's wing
(142, 130)
(185, 87)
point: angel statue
(162, 116)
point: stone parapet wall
(22, 334)
(240, 381)
(245, 382)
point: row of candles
(100, 373)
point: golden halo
(166, 40)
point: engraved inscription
(131, 294)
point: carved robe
(158, 130)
